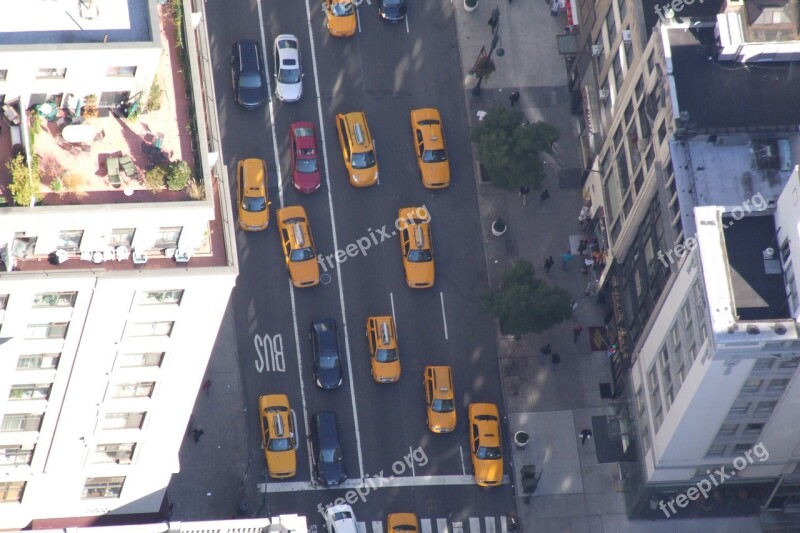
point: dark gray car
(249, 74)
(326, 449)
(325, 348)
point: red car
(305, 164)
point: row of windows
(166, 237)
(49, 361)
(33, 421)
(67, 299)
(22, 454)
(94, 487)
(41, 391)
(61, 73)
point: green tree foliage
(178, 175)
(524, 304)
(155, 178)
(510, 148)
(24, 182)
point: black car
(326, 450)
(392, 10)
(325, 347)
(249, 74)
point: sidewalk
(553, 405)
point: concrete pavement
(552, 404)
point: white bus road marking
(335, 241)
(463, 467)
(444, 316)
(280, 198)
(385, 483)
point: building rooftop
(757, 283)
(731, 97)
(654, 10)
(30, 22)
(770, 20)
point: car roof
(327, 430)
(254, 172)
(288, 52)
(248, 54)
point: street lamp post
(476, 91)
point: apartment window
(16, 454)
(121, 72)
(652, 378)
(739, 408)
(629, 113)
(53, 330)
(150, 329)
(741, 448)
(3, 74)
(618, 137)
(143, 389)
(30, 391)
(38, 361)
(123, 421)
(3, 301)
(777, 386)
(122, 237)
(623, 10)
(51, 73)
(103, 487)
(161, 297)
(752, 430)
(113, 453)
(622, 168)
(763, 364)
(789, 363)
(167, 237)
(727, 430)
(611, 26)
(618, 76)
(55, 299)
(628, 54)
(658, 418)
(715, 450)
(131, 360)
(765, 408)
(751, 386)
(637, 90)
(651, 62)
(645, 439)
(640, 400)
(70, 240)
(648, 157)
(21, 422)
(601, 59)
(662, 132)
(11, 491)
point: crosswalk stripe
(441, 525)
(490, 525)
(503, 525)
(377, 527)
(474, 525)
(425, 524)
(362, 527)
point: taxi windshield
(386, 356)
(303, 254)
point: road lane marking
(280, 201)
(394, 317)
(463, 467)
(491, 527)
(358, 20)
(503, 525)
(385, 483)
(441, 524)
(407, 28)
(425, 524)
(411, 454)
(444, 316)
(474, 524)
(335, 241)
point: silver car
(288, 70)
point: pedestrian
(493, 20)
(548, 264)
(544, 196)
(514, 98)
(523, 192)
(576, 332)
(573, 304)
(197, 432)
(566, 257)
(554, 360)
(544, 351)
(585, 434)
(207, 387)
(582, 246)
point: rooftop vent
(780, 329)
(753, 330)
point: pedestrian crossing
(486, 524)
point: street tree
(509, 148)
(524, 304)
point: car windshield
(403, 527)
(364, 159)
(420, 256)
(386, 356)
(303, 254)
(280, 445)
(289, 75)
(434, 156)
(328, 361)
(307, 166)
(342, 9)
(443, 406)
(488, 452)
(330, 456)
(250, 80)
(254, 204)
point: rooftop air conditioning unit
(603, 94)
(597, 49)
(626, 36)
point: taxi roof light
(298, 234)
(278, 424)
(385, 337)
(418, 236)
(359, 133)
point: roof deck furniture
(182, 256)
(78, 133)
(139, 256)
(128, 167)
(112, 165)
(11, 114)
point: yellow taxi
(277, 435)
(358, 148)
(383, 356)
(251, 194)
(340, 17)
(485, 447)
(426, 125)
(440, 399)
(298, 246)
(402, 523)
(416, 246)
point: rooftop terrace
(30, 22)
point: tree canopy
(524, 304)
(509, 148)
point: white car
(340, 519)
(288, 70)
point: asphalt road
(385, 70)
